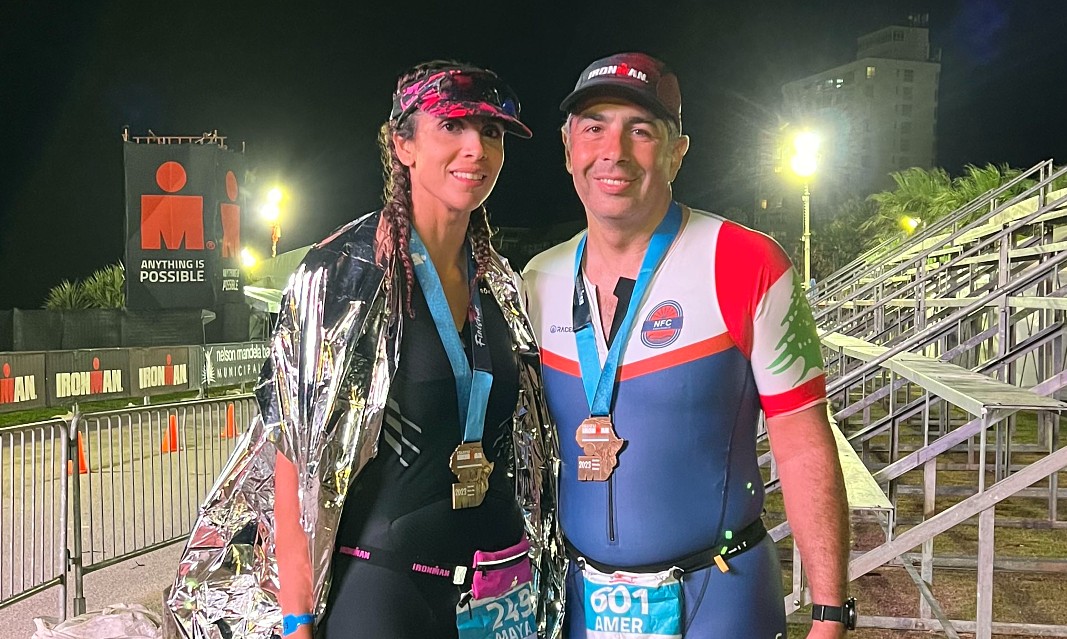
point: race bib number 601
(624, 605)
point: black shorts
(373, 602)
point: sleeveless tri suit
(722, 333)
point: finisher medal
(472, 470)
(601, 446)
(473, 386)
(596, 435)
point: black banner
(183, 225)
(22, 381)
(230, 364)
(158, 371)
(233, 200)
(88, 375)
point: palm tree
(66, 296)
(1060, 182)
(977, 181)
(105, 288)
(917, 195)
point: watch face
(850, 613)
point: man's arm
(815, 504)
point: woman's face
(453, 162)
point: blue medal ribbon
(599, 381)
(472, 387)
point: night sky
(306, 86)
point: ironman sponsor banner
(183, 225)
(232, 196)
(88, 375)
(158, 371)
(22, 381)
(229, 364)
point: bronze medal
(472, 470)
(596, 435)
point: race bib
(509, 616)
(627, 605)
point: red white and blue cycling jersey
(723, 332)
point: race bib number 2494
(509, 616)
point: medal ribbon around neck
(600, 382)
(472, 387)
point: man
(664, 332)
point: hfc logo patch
(663, 325)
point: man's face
(622, 160)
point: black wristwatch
(845, 614)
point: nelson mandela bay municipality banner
(229, 364)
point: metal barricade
(33, 510)
(80, 496)
(150, 469)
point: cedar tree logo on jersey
(793, 346)
(663, 325)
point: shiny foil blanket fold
(322, 399)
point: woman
(403, 430)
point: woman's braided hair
(396, 197)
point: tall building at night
(875, 115)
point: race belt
(732, 545)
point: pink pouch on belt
(497, 572)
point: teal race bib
(627, 605)
(512, 615)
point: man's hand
(826, 630)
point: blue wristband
(290, 623)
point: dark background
(306, 85)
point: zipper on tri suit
(611, 509)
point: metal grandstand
(945, 353)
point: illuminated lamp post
(271, 211)
(804, 161)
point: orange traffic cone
(170, 438)
(82, 466)
(231, 430)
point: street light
(248, 260)
(806, 150)
(271, 211)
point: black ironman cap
(632, 76)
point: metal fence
(82, 494)
(33, 509)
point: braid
(395, 226)
(479, 233)
(396, 214)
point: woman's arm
(291, 547)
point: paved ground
(135, 496)
(137, 581)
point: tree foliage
(838, 242)
(66, 296)
(925, 194)
(917, 195)
(105, 288)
